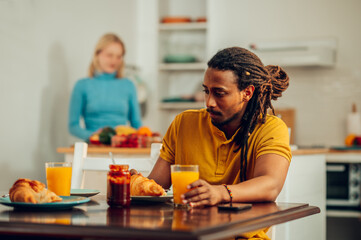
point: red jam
(118, 186)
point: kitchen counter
(340, 156)
(327, 151)
(114, 150)
(308, 151)
(344, 151)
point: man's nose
(210, 102)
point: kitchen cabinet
(306, 181)
(182, 49)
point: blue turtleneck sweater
(103, 101)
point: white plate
(84, 192)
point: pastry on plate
(31, 191)
(142, 186)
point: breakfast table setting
(144, 219)
(134, 207)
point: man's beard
(227, 121)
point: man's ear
(248, 93)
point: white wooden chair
(272, 233)
(90, 172)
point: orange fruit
(94, 137)
(144, 131)
(350, 139)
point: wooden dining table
(144, 220)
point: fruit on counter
(105, 136)
(135, 140)
(352, 140)
(126, 130)
(144, 131)
(125, 136)
(130, 141)
(94, 139)
(357, 141)
(349, 140)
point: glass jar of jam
(118, 186)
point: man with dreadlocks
(243, 153)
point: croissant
(31, 191)
(142, 186)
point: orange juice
(59, 180)
(180, 181)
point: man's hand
(133, 172)
(204, 194)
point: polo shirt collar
(220, 134)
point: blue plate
(67, 203)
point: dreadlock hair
(269, 82)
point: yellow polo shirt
(193, 139)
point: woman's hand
(203, 194)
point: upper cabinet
(297, 53)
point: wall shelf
(182, 66)
(182, 60)
(181, 105)
(182, 26)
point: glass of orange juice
(58, 177)
(182, 176)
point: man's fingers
(133, 171)
(197, 183)
(194, 192)
(198, 198)
(199, 203)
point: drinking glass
(58, 177)
(182, 176)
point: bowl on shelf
(179, 19)
(179, 58)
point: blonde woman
(105, 97)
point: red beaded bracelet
(230, 193)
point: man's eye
(219, 94)
(205, 91)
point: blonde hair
(103, 42)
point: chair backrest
(90, 172)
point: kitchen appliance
(343, 185)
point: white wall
(321, 96)
(45, 46)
